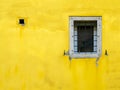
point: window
(85, 37)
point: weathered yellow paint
(31, 56)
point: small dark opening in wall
(21, 21)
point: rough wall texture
(31, 57)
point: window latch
(106, 53)
(66, 53)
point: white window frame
(97, 54)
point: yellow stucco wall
(31, 57)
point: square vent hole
(21, 21)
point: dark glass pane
(85, 38)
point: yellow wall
(31, 57)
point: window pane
(85, 35)
(85, 38)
